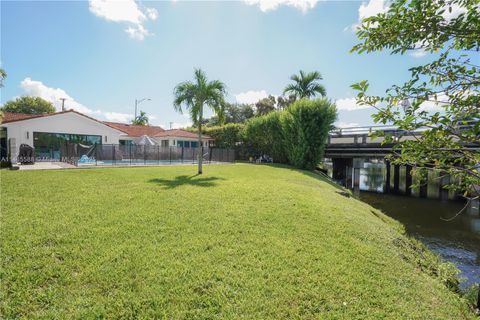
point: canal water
(457, 241)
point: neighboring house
(47, 132)
(164, 138)
(181, 138)
(134, 132)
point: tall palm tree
(193, 96)
(306, 85)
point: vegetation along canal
(457, 241)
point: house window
(105, 138)
(126, 142)
(164, 143)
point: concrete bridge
(350, 148)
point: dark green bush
(264, 135)
(306, 124)
(228, 136)
(296, 135)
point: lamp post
(137, 102)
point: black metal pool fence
(116, 154)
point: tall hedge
(264, 135)
(296, 135)
(306, 124)
(228, 136)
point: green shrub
(264, 135)
(306, 124)
(296, 135)
(227, 136)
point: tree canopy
(28, 105)
(305, 85)
(141, 120)
(441, 101)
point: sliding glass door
(48, 145)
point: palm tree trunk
(200, 149)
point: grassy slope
(241, 240)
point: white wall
(172, 141)
(69, 122)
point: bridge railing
(390, 129)
(361, 130)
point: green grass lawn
(240, 241)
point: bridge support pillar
(445, 180)
(386, 187)
(408, 180)
(423, 188)
(396, 179)
(357, 165)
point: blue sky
(102, 55)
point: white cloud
(370, 9)
(268, 5)
(418, 53)
(349, 104)
(342, 124)
(177, 125)
(137, 32)
(151, 13)
(118, 117)
(435, 103)
(38, 89)
(251, 97)
(125, 11)
(117, 11)
(456, 10)
(53, 95)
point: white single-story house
(46, 132)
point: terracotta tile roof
(179, 133)
(13, 117)
(135, 131)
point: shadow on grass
(195, 180)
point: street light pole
(63, 103)
(137, 102)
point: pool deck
(62, 165)
(46, 166)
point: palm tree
(193, 96)
(306, 85)
(141, 120)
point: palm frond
(305, 85)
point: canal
(457, 241)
